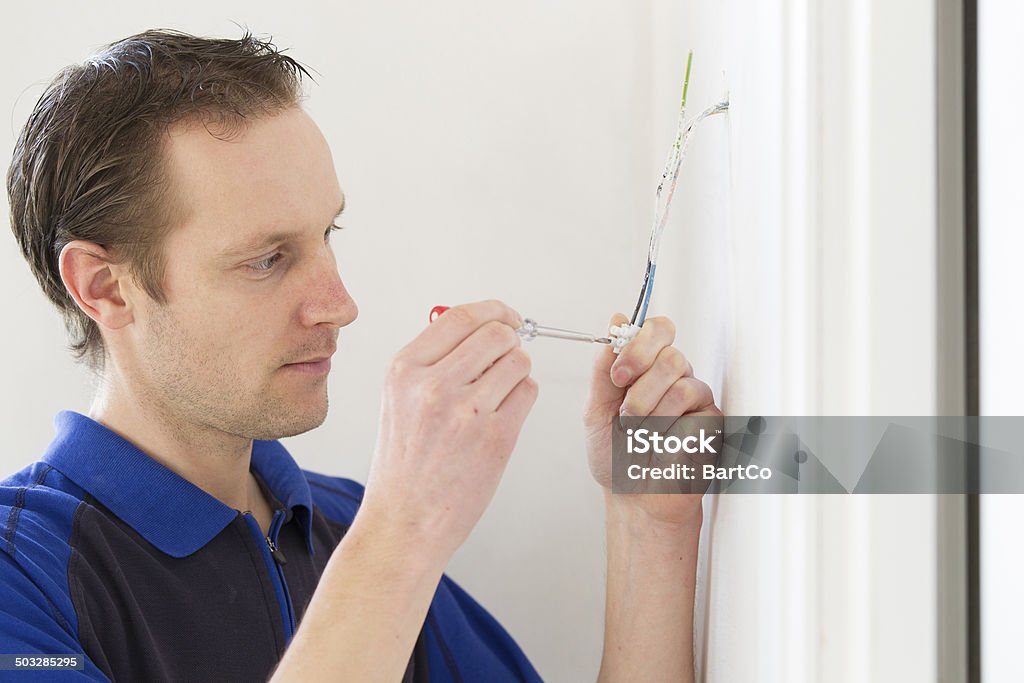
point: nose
(327, 302)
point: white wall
(803, 270)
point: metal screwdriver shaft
(531, 329)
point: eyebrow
(260, 242)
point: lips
(317, 359)
(316, 366)
(321, 363)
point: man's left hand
(648, 377)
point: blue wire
(647, 297)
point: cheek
(246, 329)
(235, 322)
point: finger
(650, 389)
(443, 335)
(517, 404)
(602, 391)
(639, 355)
(500, 379)
(687, 395)
(470, 359)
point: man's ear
(96, 282)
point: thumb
(605, 397)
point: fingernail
(623, 412)
(620, 376)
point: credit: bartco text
(689, 472)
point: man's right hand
(453, 404)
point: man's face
(252, 289)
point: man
(176, 204)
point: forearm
(648, 634)
(367, 611)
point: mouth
(319, 365)
(312, 367)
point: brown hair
(88, 164)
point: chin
(280, 424)
(299, 428)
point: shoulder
(37, 504)
(38, 510)
(337, 498)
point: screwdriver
(531, 330)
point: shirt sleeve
(31, 625)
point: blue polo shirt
(109, 554)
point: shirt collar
(169, 511)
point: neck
(215, 461)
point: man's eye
(328, 231)
(266, 264)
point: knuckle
(679, 391)
(431, 392)
(665, 326)
(460, 316)
(512, 336)
(521, 359)
(706, 393)
(680, 366)
(632, 405)
(495, 308)
(494, 303)
(400, 366)
(498, 333)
